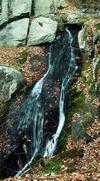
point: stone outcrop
(10, 79)
(3, 12)
(19, 8)
(86, 103)
(14, 34)
(49, 7)
(14, 16)
(42, 30)
(42, 8)
(13, 9)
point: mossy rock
(64, 17)
(58, 18)
(63, 137)
(47, 166)
(10, 81)
(51, 166)
(77, 101)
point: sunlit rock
(10, 79)
(42, 30)
(14, 34)
(13, 9)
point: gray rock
(14, 34)
(3, 11)
(61, 3)
(42, 30)
(77, 17)
(82, 39)
(19, 8)
(14, 8)
(49, 7)
(10, 79)
(43, 8)
(77, 130)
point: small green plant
(51, 166)
(23, 57)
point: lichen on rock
(10, 80)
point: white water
(51, 144)
(94, 65)
(38, 118)
(34, 108)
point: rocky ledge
(19, 21)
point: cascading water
(51, 144)
(35, 106)
(36, 114)
(94, 65)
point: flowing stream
(34, 107)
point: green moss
(77, 104)
(44, 166)
(64, 18)
(23, 57)
(82, 19)
(77, 101)
(92, 86)
(51, 166)
(85, 62)
(63, 138)
(97, 26)
(23, 89)
(87, 80)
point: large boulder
(14, 34)
(43, 8)
(3, 11)
(42, 30)
(19, 8)
(82, 39)
(14, 8)
(10, 80)
(89, 41)
(49, 7)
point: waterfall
(37, 115)
(34, 108)
(51, 144)
(94, 66)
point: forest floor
(27, 60)
(79, 162)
